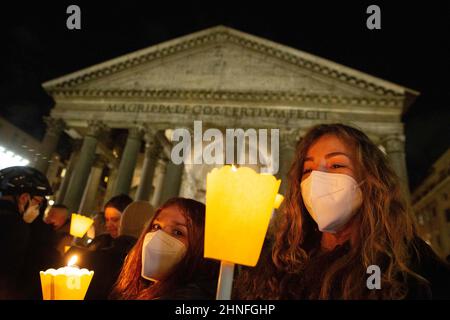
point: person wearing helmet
(22, 197)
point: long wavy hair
(131, 286)
(383, 234)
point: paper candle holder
(79, 225)
(239, 204)
(66, 283)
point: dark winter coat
(14, 240)
(107, 264)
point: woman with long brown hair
(167, 261)
(344, 219)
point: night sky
(411, 49)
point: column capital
(152, 145)
(148, 133)
(289, 138)
(135, 132)
(394, 142)
(100, 161)
(96, 128)
(162, 156)
(153, 151)
(54, 125)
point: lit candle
(66, 283)
(239, 204)
(79, 225)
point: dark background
(411, 49)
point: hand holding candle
(66, 283)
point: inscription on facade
(224, 111)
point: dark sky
(411, 49)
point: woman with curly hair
(344, 212)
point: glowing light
(10, 159)
(72, 261)
(79, 225)
(66, 283)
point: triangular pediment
(222, 59)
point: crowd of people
(344, 211)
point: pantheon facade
(121, 113)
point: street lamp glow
(10, 159)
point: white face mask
(331, 199)
(160, 253)
(31, 212)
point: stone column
(50, 142)
(90, 192)
(54, 166)
(158, 180)
(288, 142)
(83, 166)
(152, 150)
(189, 185)
(128, 162)
(172, 181)
(395, 150)
(173, 174)
(112, 178)
(69, 170)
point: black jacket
(199, 289)
(101, 241)
(424, 262)
(106, 263)
(14, 239)
(41, 255)
(307, 283)
(435, 270)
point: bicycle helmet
(21, 179)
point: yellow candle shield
(79, 225)
(239, 204)
(62, 285)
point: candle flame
(233, 168)
(72, 261)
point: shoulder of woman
(430, 266)
(424, 256)
(190, 291)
